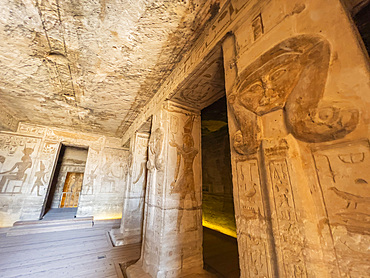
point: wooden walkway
(86, 252)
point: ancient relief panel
(17, 159)
(277, 80)
(156, 165)
(140, 164)
(114, 170)
(252, 233)
(153, 196)
(289, 239)
(344, 177)
(7, 121)
(44, 167)
(29, 129)
(184, 184)
(205, 86)
(91, 176)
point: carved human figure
(290, 76)
(40, 179)
(21, 167)
(2, 160)
(155, 160)
(141, 172)
(184, 185)
(89, 186)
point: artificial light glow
(219, 228)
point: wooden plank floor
(84, 253)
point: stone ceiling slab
(90, 65)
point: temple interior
(184, 138)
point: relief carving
(291, 242)
(89, 186)
(156, 144)
(41, 179)
(279, 80)
(184, 185)
(17, 172)
(344, 178)
(250, 220)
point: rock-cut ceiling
(90, 65)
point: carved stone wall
(27, 158)
(299, 139)
(130, 230)
(172, 236)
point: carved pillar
(172, 239)
(130, 230)
(275, 111)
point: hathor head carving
(266, 84)
(291, 76)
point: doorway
(220, 248)
(65, 189)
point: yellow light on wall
(218, 228)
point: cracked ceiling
(90, 65)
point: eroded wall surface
(131, 227)
(172, 234)
(27, 158)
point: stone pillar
(130, 230)
(298, 160)
(172, 237)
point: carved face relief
(267, 88)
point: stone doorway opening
(204, 91)
(220, 249)
(66, 186)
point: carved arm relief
(290, 76)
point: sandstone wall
(27, 160)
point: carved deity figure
(21, 167)
(40, 179)
(155, 159)
(89, 186)
(184, 184)
(291, 76)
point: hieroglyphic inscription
(31, 129)
(250, 221)
(343, 174)
(290, 241)
(257, 27)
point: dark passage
(66, 187)
(362, 20)
(220, 250)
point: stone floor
(60, 213)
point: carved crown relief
(290, 76)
